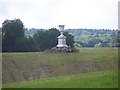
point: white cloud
(72, 13)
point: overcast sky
(96, 14)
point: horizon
(69, 28)
(74, 28)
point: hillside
(102, 79)
(93, 37)
(88, 37)
(18, 67)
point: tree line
(89, 37)
(94, 37)
(15, 40)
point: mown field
(91, 67)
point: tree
(70, 39)
(98, 45)
(48, 39)
(12, 30)
(93, 42)
(26, 44)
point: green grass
(103, 79)
(88, 54)
(91, 67)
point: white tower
(61, 38)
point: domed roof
(61, 36)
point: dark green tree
(12, 30)
(70, 39)
(118, 39)
(48, 39)
(26, 44)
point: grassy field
(102, 79)
(91, 67)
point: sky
(92, 14)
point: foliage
(98, 45)
(91, 37)
(118, 39)
(32, 31)
(14, 39)
(26, 44)
(12, 30)
(48, 39)
(70, 39)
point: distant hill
(91, 37)
(32, 31)
(88, 37)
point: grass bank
(35, 66)
(102, 79)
